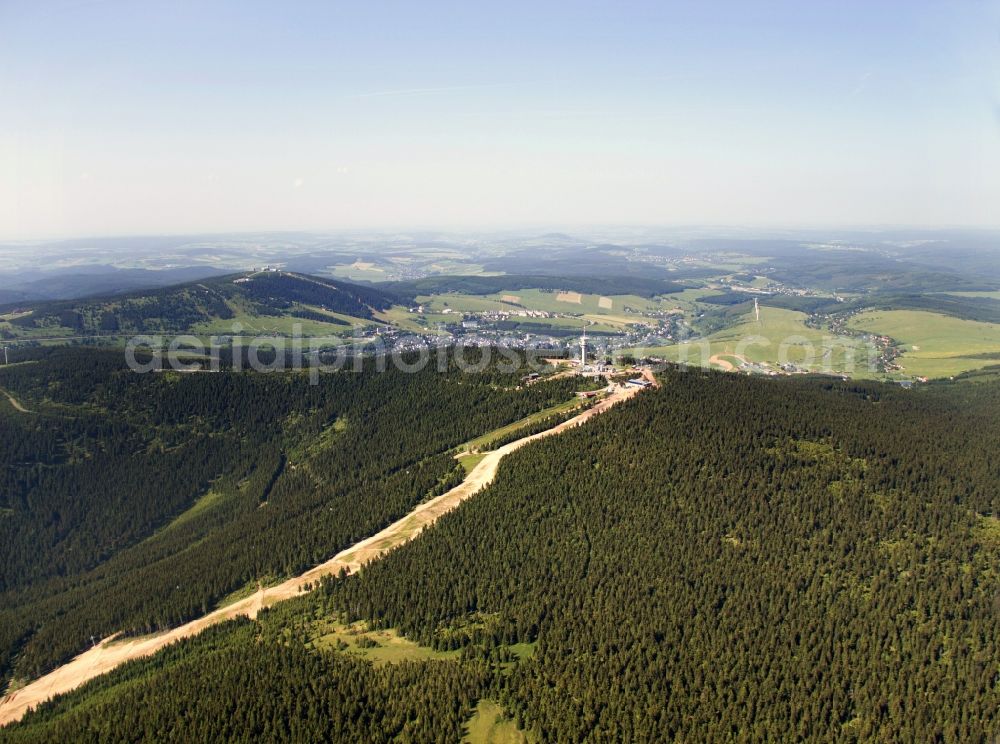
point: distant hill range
(91, 281)
(180, 307)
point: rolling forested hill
(133, 502)
(983, 309)
(723, 559)
(181, 308)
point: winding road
(110, 653)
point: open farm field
(935, 345)
(781, 337)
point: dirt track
(725, 364)
(16, 403)
(110, 653)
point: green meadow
(381, 646)
(781, 336)
(246, 322)
(543, 300)
(935, 345)
(485, 440)
(490, 725)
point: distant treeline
(982, 309)
(844, 270)
(483, 285)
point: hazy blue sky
(166, 117)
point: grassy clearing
(934, 345)
(322, 441)
(595, 323)
(469, 460)
(760, 282)
(490, 725)
(688, 296)
(19, 332)
(251, 323)
(350, 320)
(523, 650)
(284, 325)
(488, 438)
(688, 302)
(456, 265)
(248, 589)
(780, 337)
(463, 303)
(402, 318)
(379, 646)
(199, 507)
(619, 322)
(14, 314)
(359, 270)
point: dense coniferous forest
(228, 685)
(735, 557)
(274, 292)
(722, 559)
(137, 501)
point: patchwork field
(546, 301)
(781, 337)
(390, 267)
(402, 318)
(464, 303)
(585, 313)
(935, 345)
(358, 271)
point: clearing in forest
(490, 725)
